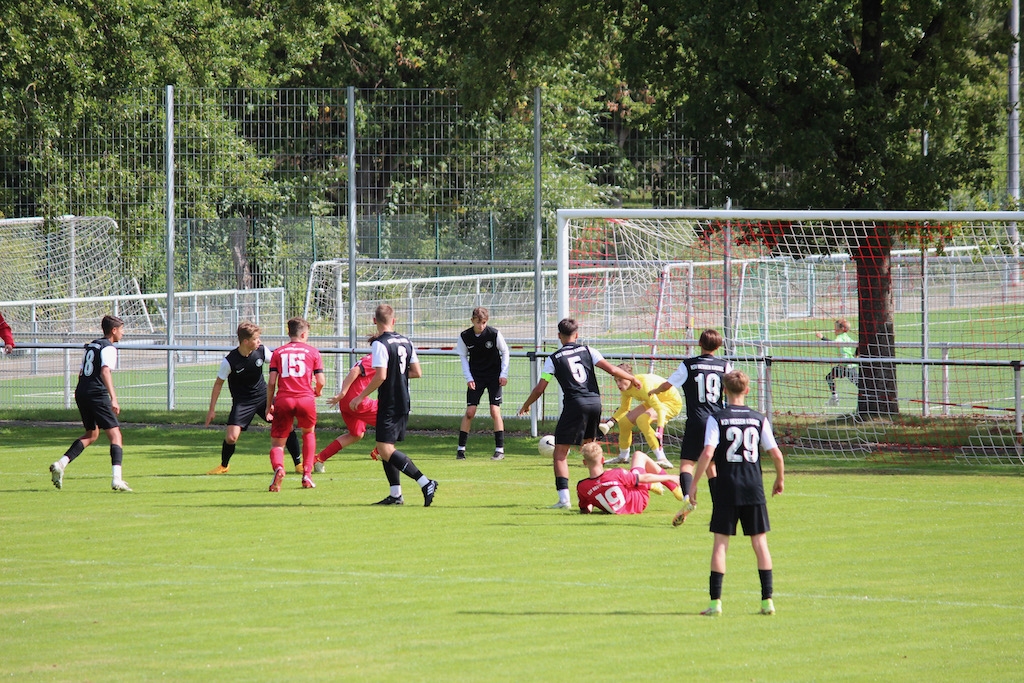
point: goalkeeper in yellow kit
(659, 408)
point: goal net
(64, 270)
(933, 301)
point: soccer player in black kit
(485, 358)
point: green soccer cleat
(767, 607)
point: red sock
(308, 452)
(332, 448)
(276, 458)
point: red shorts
(358, 421)
(288, 409)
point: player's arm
(538, 390)
(505, 359)
(379, 376)
(318, 382)
(214, 395)
(586, 509)
(271, 391)
(415, 370)
(107, 377)
(780, 471)
(352, 376)
(460, 346)
(653, 478)
(616, 371)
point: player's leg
(305, 415)
(227, 448)
(77, 446)
(830, 379)
(291, 444)
(280, 428)
(718, 554)
(625, 440)
(494, 394)
(395, 431)
(117, 481)
(464, 427)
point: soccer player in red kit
(357, 420)
(296, 380)
(618, 491)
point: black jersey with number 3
(393, 395)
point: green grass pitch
(195, 578)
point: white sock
(660, 454)
(64, 461)
(423, 480)
(624, 454)
(563, 496)
(117, 472)
(396, 491)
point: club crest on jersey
(488, 345)
(259, 362)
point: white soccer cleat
(665, 464)
(318, 467)
(618, 459)
(120, 485)
(834, 401)
(559, 506)
(57, 475)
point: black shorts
(753, 518)
(493, 388)
(241, 414)
(391, 428)
(96, 411)
(693, 441)
(578, 423)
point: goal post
(916, 289)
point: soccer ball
(546, 445)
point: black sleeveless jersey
(482, 353)
(89, 379)
(574, 370)
(738, 455)
(393, 394)
(703, 386)
(246, 382)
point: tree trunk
(877, 394)
(239, 255)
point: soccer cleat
(428, 493)
(391, 500)
(834, 401)
(666, 464)
(618, 459)
(298, 468)
(559, 506)
(375, 454)
(220, 469)
(678, 493)
(120, 485)
(681, 516)
(498, 455)
(307, 483)
(657, 489)
(318, 467)
(460, 454)
(767, 607)
(275, 485)
(57, 475)
(714, 609)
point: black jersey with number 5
(574, 370)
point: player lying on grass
(619, 491)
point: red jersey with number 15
(616, 491)
(295, 363)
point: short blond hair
(592, 453)
(735, 382)
(842, 325)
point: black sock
(76, 450)
(226, 451)
(766, 583)
(294, 450)
(116, 455)
(401, 462)
(712, 483)
(499, 439)
(685, 481)
(463, 438)
(715, 585)
(393, 475)
(561, 483)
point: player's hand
(209, 418)
(693, 495)
(777, 487)
(354, 403)
(334, 400)
(503, 381)
(116, 406)
(471, 384)
(605, 427)
(8, 348)
(819, 335)
(635, 382)
(523, 411)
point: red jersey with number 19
(295, 364)
(616, 491)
